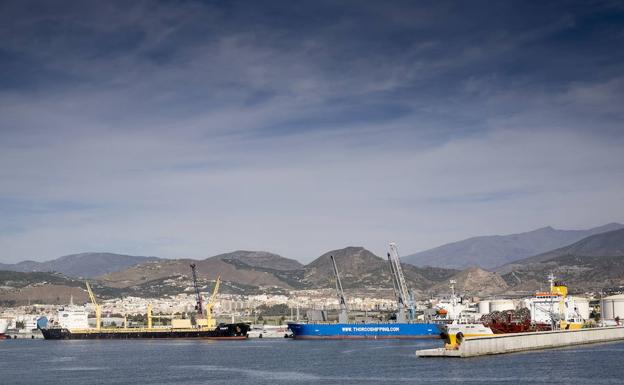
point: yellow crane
(98, 309)
(211, 322)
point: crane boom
(199, 307)
(343, 317)
(210, 321)
(91, 296)
(98, 308)
(403, 296)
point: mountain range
(85, 265)
(592, 263)
(492, 251)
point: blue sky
(189, 128)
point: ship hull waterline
(225, 332)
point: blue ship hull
(364, 331)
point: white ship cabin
(73, 317)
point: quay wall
(508, 343)
(518, 342)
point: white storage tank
(484, 307)
(582, 306)
(612, 307)
(502, 305)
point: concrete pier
(518, 342)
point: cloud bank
(186, 129)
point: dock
(520, 342)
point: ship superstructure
(555, 307)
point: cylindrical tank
(501, 305)
(484, 307)
(582, 306)
(612, 307)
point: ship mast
(199, 307)
(343, 317)
(404, 299)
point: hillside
(260, 259)
(474, 281)
(492, 251)
(86, 265)
(237, 267)
(609, 244)
(359, 268)
(17, 288)
(592, 263)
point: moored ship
(404, 327)
(237, 331)
(72, 323)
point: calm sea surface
(292, 362)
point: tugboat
(404, 327)
(205, 328)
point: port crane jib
(343, 317)
(98, 308)
(404, 297)
(210, 321)
(199, 306)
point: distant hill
(609, 244)
(239, 267)
(359, 268)
(592, 263)
(260, 259)
(17, 288)
(496, 250)
(474, 281)
(86, 265)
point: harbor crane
(343, 317)
(211, 322)
(199, 306)
(98, 308)
(404, 297)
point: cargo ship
(72, 323)
(386, 330)
(404, 327)
(237, 331)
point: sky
(193, 128)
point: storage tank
(582, 306)
(502, 305)
(612, 306)
(484, 307)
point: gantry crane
(98, 309)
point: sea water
(281, 361)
